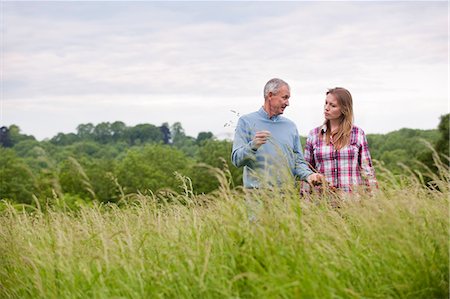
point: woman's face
(332, 109)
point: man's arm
(309, 151)
(302, 170)
(301, 167)
(243, 152)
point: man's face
(278, 102)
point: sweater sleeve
(242, 154)
(301, 167)
(309, 151)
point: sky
(205, 63)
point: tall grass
(390, 244)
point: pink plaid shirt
(344, 168)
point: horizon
(195, 136)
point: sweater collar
(264, 114)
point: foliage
(14, 136)
(404, 146)
(17, 181)
(165, 130)
(74, 180)
(442, 145)
(5, 138)
(143, 133)
(107, 132)
(103, 151)
(180, 140)
(65, 139)
(216, 154)
(204, 136)
(151, 167)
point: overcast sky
(67, 63)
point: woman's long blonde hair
(341, 137)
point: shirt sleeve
(365, 163)
(242, 153)
(301, 167)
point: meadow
(392, 243)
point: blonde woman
(338, 149)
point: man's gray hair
(273, 86)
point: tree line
(104, 162)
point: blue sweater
(277, 161)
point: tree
(203, 136)
(442, 145)
(86, 148)
(85, 131)
(15, 135)
(165, 130)
(118, 129)
(143, 133)
(214, 153)
(5, 139)
(103, 133)
(151, 167)
(185, 143)
(74, 180)
(25, 148)
(101, 175)
(65, 139)
(177, 133)
(403, 146)
(17, 180)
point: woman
(338, 149)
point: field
(390, 244)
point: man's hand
(315, 179)
(260, 138)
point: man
(268, 144)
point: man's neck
(267, 109)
